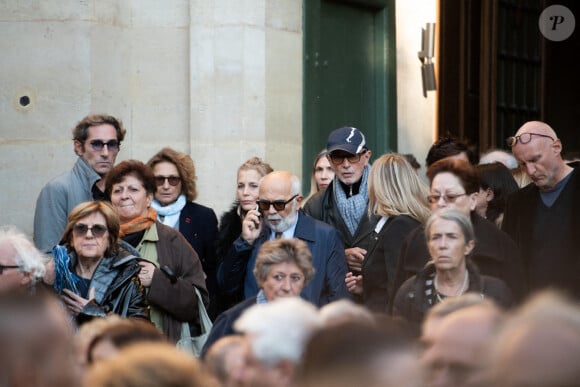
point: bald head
(460, 345)
(539, 154)
(279, 179)
(537, 127)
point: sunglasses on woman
(81, 230)
(173, 180)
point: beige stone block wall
(201, 76)
(246, 90)
(220, 79)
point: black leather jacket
(117, 289)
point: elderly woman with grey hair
(283, 268)
(450, 272)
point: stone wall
(221, 80)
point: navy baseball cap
(348, 139)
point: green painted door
(349, 74)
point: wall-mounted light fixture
(426, 56)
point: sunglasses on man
(98, 145)
(279, 205)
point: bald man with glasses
(277, 215)
(543, 218)
(97, 140)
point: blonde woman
(399, 197)
(248, 179)
(322, 174)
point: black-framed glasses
(447, 198)
(524, 138)
(279, 205)
(4, 267)
(98, 145)
(173, 180)
(338, 159)
(81, 230)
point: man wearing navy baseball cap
(344, 202)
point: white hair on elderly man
(18, 250)
(279, 330)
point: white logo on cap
(351, 135)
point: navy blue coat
(198, 224)
(328, 259)
(224, 324)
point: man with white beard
(277, 215)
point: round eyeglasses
(524, 138)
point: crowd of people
(379, 277)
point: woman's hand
(251, 226)
(146, 273)
(75, 303)
(354, 283)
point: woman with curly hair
(175, 205)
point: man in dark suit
(543, 218)
(277, 216)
